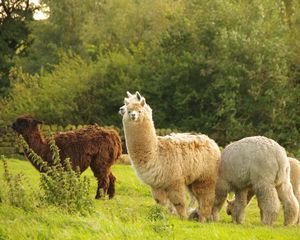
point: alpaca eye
(129, 111)
(140, 111)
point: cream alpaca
(169, 164)
(261, 164)
(134, 98)
(295, 181)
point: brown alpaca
(93, 146)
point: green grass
(132, 214)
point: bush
(60, 185)
(13, 190)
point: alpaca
(295, 181)
(122, 110)
(93, 146)
(168, 164)
(261, 164)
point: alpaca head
(230, 207)
(130, 98)
(135, 111)
(135, 99)
(25, 125)
(135, 108)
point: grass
(132, 214)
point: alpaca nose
(133, 115)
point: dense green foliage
(14, 35)
(131, 214)
(229, 69)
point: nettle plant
(60, 185)
(16, 189)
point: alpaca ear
(126, 102)
(129, 94)
(138, 96)
(143, 102)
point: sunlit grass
(127, 216)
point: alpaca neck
(141, 140)
(37, 143)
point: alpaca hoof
(98, 196)
(111, 196)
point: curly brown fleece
(92, 146)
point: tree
(14, 15)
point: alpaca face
(25, 124)
(130, 98)
(230, 207)
(122, 110)
(135, 111)
(135, 98)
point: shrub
(13, 190)
(61, 186)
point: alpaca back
(254, 159)
(184, 157)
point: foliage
(14, 17)
(60, 185)
(229, 69)
(13, 189)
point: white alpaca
(122, 110)
(261, 164)
(169, 164)
(295, 181)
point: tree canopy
(229, 69)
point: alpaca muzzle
(133, 116)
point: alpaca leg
(268, 202)
(111, 187)
(297, 195)
(289, 202)
(221, 191)
(103, 183)
(102, 174)
(160, 196)
(240, 204)
(205, 195)
(176, 194)
(230, 204)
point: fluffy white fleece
(259, 163)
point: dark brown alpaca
(93, 146)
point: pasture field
(132, 214)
